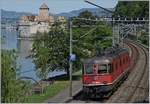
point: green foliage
(144, 38)
(60, 84)
(94, 42)
(86, 15)
(132, 9)
(91, 44)
(51, 91)
(50, 51)
(13, 90)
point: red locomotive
(103, 73)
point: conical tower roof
(44, 6)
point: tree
(86, 15)
(13, 89)
(94, 42)
(144, 38)
(50, 51)
(132, 9)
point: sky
(55, 6)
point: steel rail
(142, 74)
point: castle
(30, 25)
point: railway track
(79, 98)
(140, 85)
(135, 88)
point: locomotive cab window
(88, 69)
(102, 68)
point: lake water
(23, 48)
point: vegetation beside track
(51, 50)
(50, 91)
(13, 90)
(134, 9)
(59, 84)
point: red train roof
(107, 56)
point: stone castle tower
(43, 12)
(29, 25)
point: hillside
(95, 11)
(12, 16)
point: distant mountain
(95, 11)
(13, 17)
(13, 14)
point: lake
(23, 48)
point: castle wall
(29, 25)
(24, 30)
(31, 28)
(44, 14)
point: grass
(78, 73)
(50, 92)
(60, 83)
